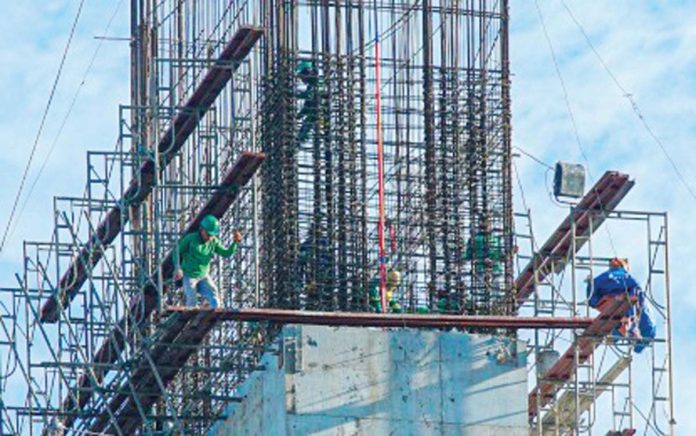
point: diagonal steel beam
(565, 412)
(140, 187)
(167, 365)
(612, 309)
(587, 217)
(140, 308)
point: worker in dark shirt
(637, 322)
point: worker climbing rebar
(485, 250)
(314, 89)
(194, 253)
(637, 322)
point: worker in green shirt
(312, 95)
(486, 252)
(195, 252)
(486, 249)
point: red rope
(380, 177)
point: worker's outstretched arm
(228, 251)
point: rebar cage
(305, 94)
(445, 128)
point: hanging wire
(67, 115)
(571, 115)
(56, 80)
(634, 105)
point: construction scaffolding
(265, 115)
(572, 369)
(85, 324)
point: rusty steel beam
(140, 187)
(612, 309)
(168, 354)
(361, 319)
(140, 308)
(603, 197)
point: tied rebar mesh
(309, 220)
(447, 153)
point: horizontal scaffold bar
(363, 319)
(587, 216)
(140, 187)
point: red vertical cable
(392, 237)
(380, 177)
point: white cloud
(30, 63)
(649, 47)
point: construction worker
(393, 282)
(637, 322)
(614, 281)
(486, 251)
(308, 115)
(314, 267)
(195, 252)
(446, 303)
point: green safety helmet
(211, 225)
(304, 65)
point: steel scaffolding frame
(566, 399)
(91, 296)
(90, 344)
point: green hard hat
(304, 65)
(211, 225)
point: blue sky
(647, 45)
